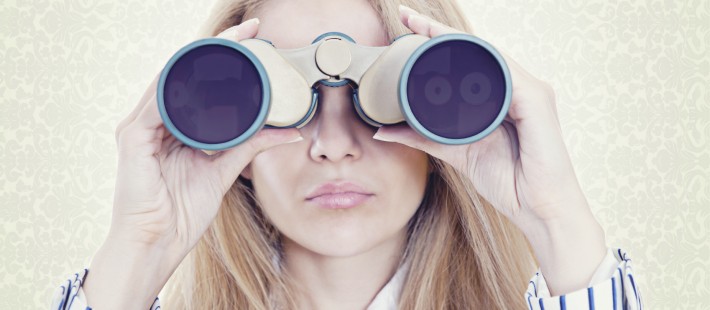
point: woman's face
(337, 147)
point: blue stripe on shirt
(613, 292)
(621, 277)
(590, 293)
(633, 285)
(563, 304)
(529, 303)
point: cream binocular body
(215, 93)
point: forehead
(294, 24)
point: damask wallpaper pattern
(631, 77)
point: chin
(337, 244)
(343, 234)
(341, 248)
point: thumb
(455, 155)
(230, 163)
(403, 134)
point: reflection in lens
(437, 90)
(256, 93)
(477, 95)
(475, 88)
(177, 94)
(213, 94)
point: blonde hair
(462, 254)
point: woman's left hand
(523, 169)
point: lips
(339, 195)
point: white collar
(387, 297)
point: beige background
(632, 81)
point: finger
(245, 30)
(146, 115)
(403, 134)
(533, 112)
(419, 25)
(404, 13)
(149, 116)
(230, 163)
(517, 73)
(142, 137)
(525, 83)
(423, 25)
(141, 103)
(169, 144)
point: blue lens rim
(335, 33)
(404, 79)
(265, 102)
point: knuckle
(260, 142)
(121, 138)
(125, 137)
(549, 90)
(252, 146)
(119, 130)
(545, 91)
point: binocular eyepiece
(215, 93)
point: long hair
(461, 253)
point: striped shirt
(612, 287)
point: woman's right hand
(166, 196)
(167, 193)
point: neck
(330, 282)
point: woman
(441, 226)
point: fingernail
(414, 17)
(231, 33)
(299, 138)
(253, 20)
(378, 137)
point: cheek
(404, 174)
(274, 177)
(406, 168)
(406, 177)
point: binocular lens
(213, 94)
(456, 89)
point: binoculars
(215, 93)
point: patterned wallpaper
(631, 77)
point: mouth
(343, 200)
(339, 195)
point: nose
(336, 131)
